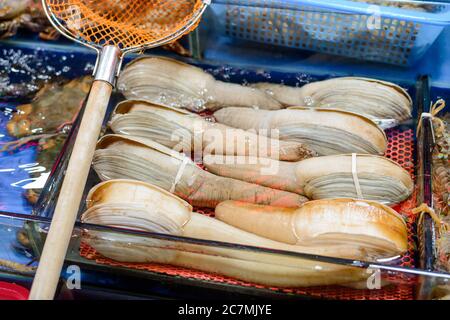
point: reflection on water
(15, 169)
(24, 72)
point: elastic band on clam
(179, 174)
(294, 218)
(435, 108)
(186, 222)
(197, 141)
(355, 177)
(264, 123)
(424, 208)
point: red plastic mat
(401, 150)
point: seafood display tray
(406, 276)
(383, 31)
(401, 149)
(402, 274)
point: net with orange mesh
(126, 23)
(401, 287)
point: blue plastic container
(382, 32)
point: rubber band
(355, 177)
(179, 174)
(294, 231)
(186, 222)
(197, 142)
(265, 122)
(435, 108)
(424, 208)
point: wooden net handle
(64, 218)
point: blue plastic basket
(367, 31)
